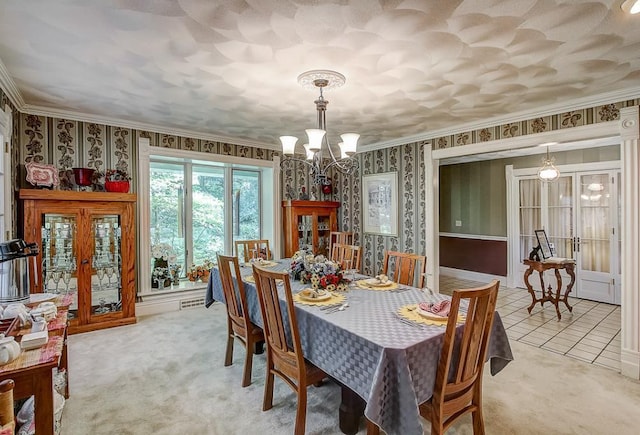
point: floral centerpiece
(164, 258)
(200, 271)
(318, 270)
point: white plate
(321, 297)
(36, 298)
(430, 316)
(373, 282)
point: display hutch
(87, 247)
(308, 224)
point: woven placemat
(409, 312)
(364, 285)
(251, 279)
(335, 298)
(44, 354)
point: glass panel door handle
(85, 261)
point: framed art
(380, 203)
(543, 242)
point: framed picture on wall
(380, 203)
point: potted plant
(116, 180)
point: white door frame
(628, 130)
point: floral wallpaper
(68, 144)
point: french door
(580, 213)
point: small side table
(547, 293)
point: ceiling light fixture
(631, 6)
(548, 172)
(346, 162)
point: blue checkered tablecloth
(388, 363)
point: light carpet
(165, 375)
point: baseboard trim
(630, 363)
(471, 275)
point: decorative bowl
(83, 176)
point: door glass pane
(59, 256)
(619, 180)
(246, 205)
(166, 183)
(207, 212)
(106, 264)
(560, 228)
(530, 217)
(595, 224)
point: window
(200, 207)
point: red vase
(121, 186)
(83, 176)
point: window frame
(270, 179)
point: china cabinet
(87, 248)
(308, 224)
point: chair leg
(248, 363)
(267, 401)
(228, 359)
(372, 428)
(301, 412)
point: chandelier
(319, 166)
(548, 172)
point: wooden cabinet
(307, 224)
(87, 247)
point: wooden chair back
(283, 359)
(406, 267)
(343, 237)
(239, 324)
(261, 247)
(458, 385)
(348, 256)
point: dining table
(385, 364)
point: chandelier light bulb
(349, 143)
(310, 153)
(288, 144)
(315, 138)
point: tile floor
(591, 333)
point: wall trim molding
(9, 85)
(474, 236)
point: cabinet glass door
(106, 264)
(305, 233)
(59, 255)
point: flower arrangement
(164, 259)
(319, 271)
(116, 175)
(200, 271)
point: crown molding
(9, 86)
(86, 117)
(553, 109)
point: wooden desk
(32, 371)
(547, 293)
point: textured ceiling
(228, 69)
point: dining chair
(348, 256)
(261, 246)
(458, 383)
(7, 418)
(404, 266)
(238, 323)
(284, 358)
(343, 237)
